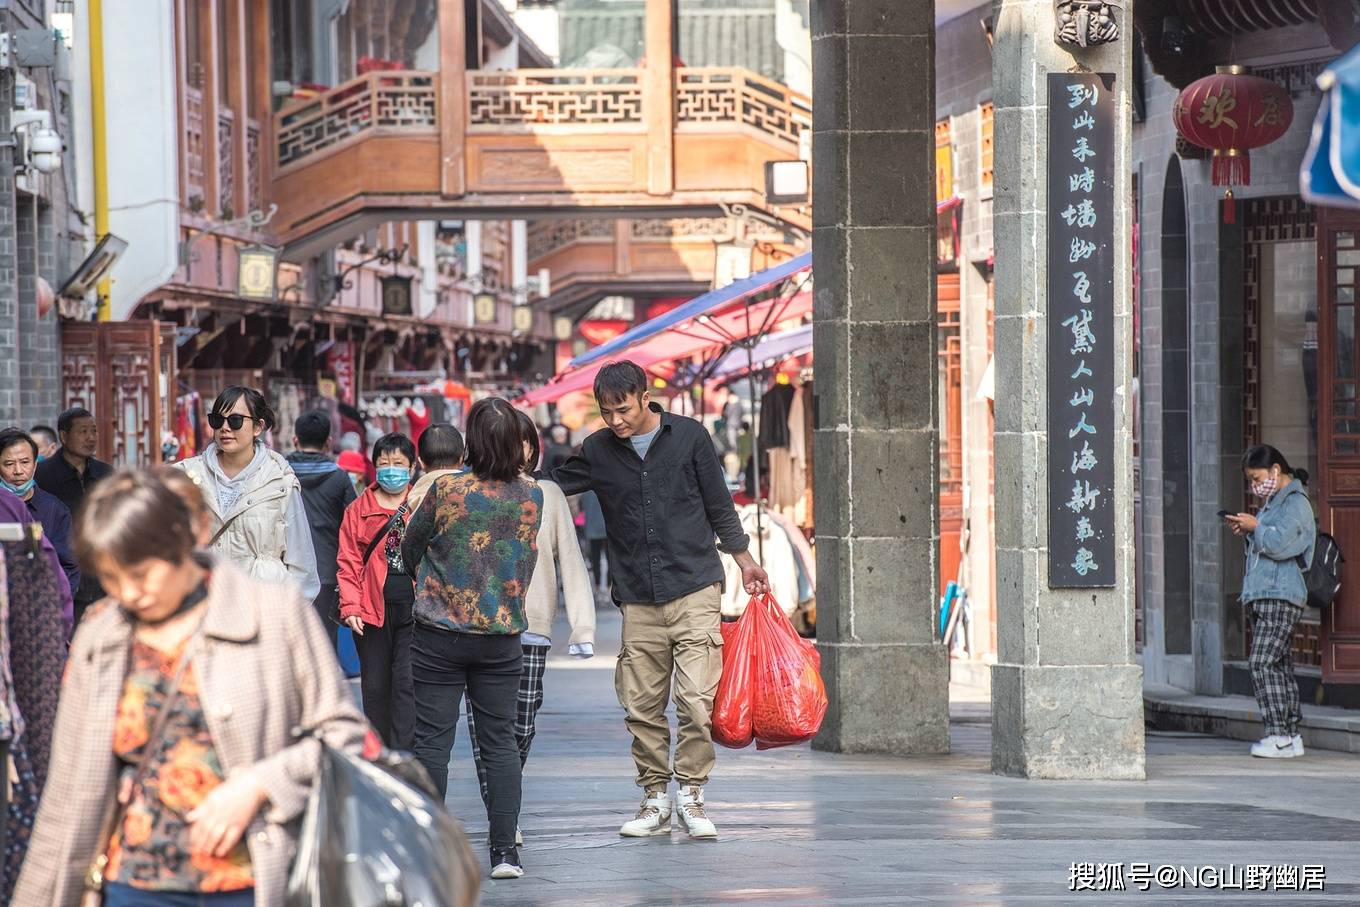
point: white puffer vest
(254, 538)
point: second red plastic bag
(788, 696)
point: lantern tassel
(1231, 168)
(1229, 208)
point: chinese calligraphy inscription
(1081, 361)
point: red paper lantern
(1230, 113)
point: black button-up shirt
(59, 478)
(661, 513)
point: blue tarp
(701, 305)
(1330, 175)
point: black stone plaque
(1081, 262)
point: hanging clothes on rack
(788, 463)
(38, 609)
(779, 563)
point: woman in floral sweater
(473, 546)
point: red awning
(708, 333)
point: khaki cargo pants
(680, 639)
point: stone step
(1170, 708)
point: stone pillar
(1066, 692)
(876, 447)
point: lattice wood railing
(193, 141)
(724, 95)
(226, 161)
(529, 99)
(254, 168)
(405, 102)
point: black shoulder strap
(399, 514)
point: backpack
(1323, 576)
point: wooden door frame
(1330, 221)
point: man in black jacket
(664, 499)
(326, 492)
(69, 476)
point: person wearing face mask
(377, 592)
(259, 519)
(182, 778)
(18, 463)
(1279, 541)
(46, 436)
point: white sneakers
(654, 816)
(1277, 746)
(690, 806)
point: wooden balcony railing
(712, 95)
(193, 141)
(531, 99)
(403, 102)
(226, 160)
(254, 164)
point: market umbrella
(1330, 174)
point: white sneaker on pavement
(1277, 746)
(653, 817)
(519, 837)
(1298, 744)
(690, 805)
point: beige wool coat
(265, 672)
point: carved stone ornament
(1086, 23)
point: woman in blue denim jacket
(1279, 541)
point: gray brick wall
(1274, 173)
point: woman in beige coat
(209, 797)
(259, 522)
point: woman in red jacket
(377, 592)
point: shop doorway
(1338, 433)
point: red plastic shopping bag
(788, 696)
(732, 705)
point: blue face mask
(20, 490)
(392, 479)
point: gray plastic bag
(375, 835)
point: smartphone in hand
(1224, 514)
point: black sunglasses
(235, 420)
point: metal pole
(755, 441)
(99, 141)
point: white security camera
(44, 146)
(44, 150)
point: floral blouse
(151, 849)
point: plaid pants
(529, 702)
(1272, 666)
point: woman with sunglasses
(258, 520)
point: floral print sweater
(151, 849)
(472, 546)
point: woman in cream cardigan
(559, 557)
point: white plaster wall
(143, 162)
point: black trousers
(447, 664)
(597, 560)
(327, 605)
(385, 676)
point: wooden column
(261, 84)
(212, 72)
(237, 55)
(453, 113)
(658, 96)
(182, 103)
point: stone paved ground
(805, 828)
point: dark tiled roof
(712, 33)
